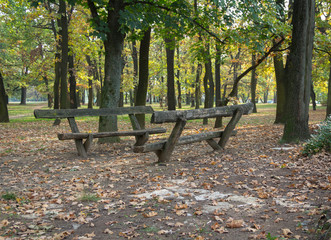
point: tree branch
(181, 14)
(257, 63)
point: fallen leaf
(286, 232)
(231, 223)
(150, 214)
(108, 231)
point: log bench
(141, 135)
(164, 149)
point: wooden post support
(229, 128)
(141, 139)
(79, 142)
(165, 154)
(88, 142)
(213, 144)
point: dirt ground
(255, 189)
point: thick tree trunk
(113, 67)
(298, 72)
(72, 82)
(4, 117)
(328, 106)
(142, 88)
(135, 69)
(281, 88)
(253, 84)
(64, 54)
(170, 52)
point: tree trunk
(57, 81)
(298, 72)
(141, 93)
(64, 43)
(72, 82)
(135, 69)
(4, 117)
(313, 96)
(218, 74)
(90, 83)
(328, 106)
(110, 92)
(265, 96)
(253, 84)
(49, 96)
(170, 52)
(197, 86)
(23, 96)
(281, 88)
(179, 99)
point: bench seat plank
(65, 113)
(67, 136)
(181, 141)
(173, 116)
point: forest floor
(255, 189)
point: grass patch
(89, 197)
(9, 196)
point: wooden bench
(141, 135)
(164, 149)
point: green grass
(88, 197)
(9, 196)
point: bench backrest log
(227, 111)
(69, 113)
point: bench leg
(229, 128)
(80, 148)
(88, 142)
(165, 154)
(79, 142)
(141, 140)
(213, 144)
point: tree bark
(197, 86)
(113, 63)
(4, 116)
(72, 82)
(298, 72)
(90, 83)
(57, 81)
(253, 84)
(141, 94)
(23, 96)
(328, 106)
(135, 69)
(179, 90)
(281, 88)
(218, 74)
(49, 96)
(313, 96)
(64, 43)
(170, 52)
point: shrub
(320, 140)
